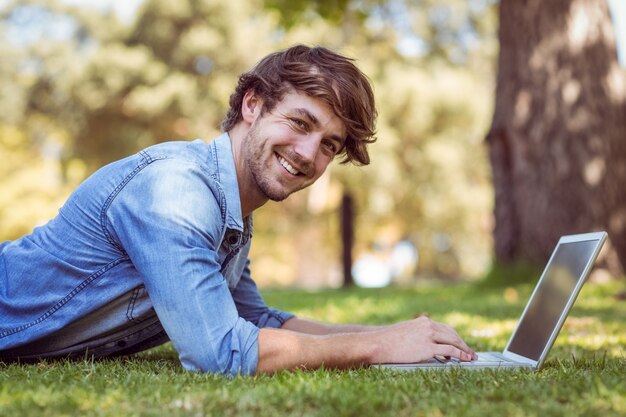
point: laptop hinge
(514, 357)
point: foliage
(510, 274)
(31, 181)
(447, 30)
(98, 89)
(583, 375)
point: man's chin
(279, 198)
(278, 195)
(276, 192)
(272, 194)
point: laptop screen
(551, 297)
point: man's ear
(251, 106)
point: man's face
(289, 148)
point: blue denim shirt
(149, 247)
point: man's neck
(249, 194)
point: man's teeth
(288, 166)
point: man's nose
(308, 147)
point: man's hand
(419, 340)
(415, 340)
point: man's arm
(302, 343)
(410, 341)
(165, 221)
(252, 307)
(297, 324)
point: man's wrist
(360, 348)
(370, 347)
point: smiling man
(286, 149)
(154, 247)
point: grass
(584, 375)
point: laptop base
(486, 360)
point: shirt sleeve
(169, 221)
(252, 307)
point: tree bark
(347, 238)
(557, 143)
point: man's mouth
(288, 166)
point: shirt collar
(228, 178)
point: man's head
(320, 73)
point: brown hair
(317, 72)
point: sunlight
(481, 327)
(571, 91)
(616, 84)
(522, 107)
(579, 28)
(352, 309)
(594, 171)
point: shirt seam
(146, 160)
(64, 300)
(216, 177)
(131, 306)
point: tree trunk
(347, 238)
(557, 143)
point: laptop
(545, 312)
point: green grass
(585, 374)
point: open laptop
(544, 314)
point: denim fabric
(148, 248)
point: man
(154, 247)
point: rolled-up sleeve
(169, 221)
(252, 307)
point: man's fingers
(442, 339)
(448, 336)
(451, 351)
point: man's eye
(300, 124)
(330, 147)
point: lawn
(585, 374)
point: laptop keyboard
(491, 357)
(482, 357)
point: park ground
(584, 374)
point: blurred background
(83, 83)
